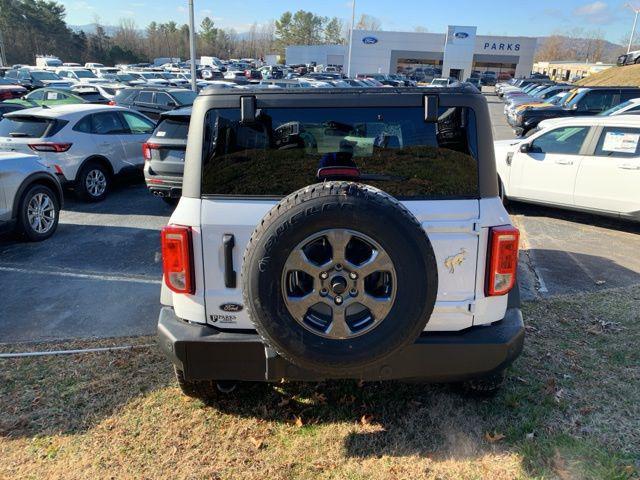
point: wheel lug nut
(338, 300)
(353, 275)
(324, 275)
(324, 292)
(353, 292)
(338, 267)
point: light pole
(635, 10)
(353, 21)
(192, 47)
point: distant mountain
(110, 30)
(581, 49)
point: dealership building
(457, 53)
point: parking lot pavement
(566, 252)
(98, 276)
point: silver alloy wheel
(41, 213)
(344, 294)
(95, 182)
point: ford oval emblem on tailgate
(230, 307)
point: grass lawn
(570, 410)
(614, 77)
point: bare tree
(368, 22)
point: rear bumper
(203, 352)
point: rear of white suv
(340, 234)
(86, 145)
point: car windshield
(184, 97)
(45, 76)
(84, 74)
(126, 77)
(615, 109)
(24, 127)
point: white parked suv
(580, 163)
(340, 233)
(85, 144)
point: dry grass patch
(628, 76)
(569, 410)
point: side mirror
(172, 104)
(525, 148)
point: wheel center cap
(338, 284)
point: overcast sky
(499, 17)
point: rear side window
(27, 127)
(173, 128)
(618, 142)
(145, 97)
(125, 96)
(390, 148)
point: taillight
(338, 172)
(503, 260)
(112, 103)
(146, 150)
(177, 261)
(50, 147)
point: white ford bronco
(340, 233)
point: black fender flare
(42, 178)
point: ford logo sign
(461, 35)
(230, 307)
(369, 40)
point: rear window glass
(393, 149)
(25, 127)
(173, 128)
(125, 96)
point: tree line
(38, 27)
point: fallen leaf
(297, 421)
(493, 438)
(586, 410)
(366, 419)
(600, 282)
(320, 398)
(258, 443)
(550, 386)
(571, 353)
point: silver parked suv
(30, 196)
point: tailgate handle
(228, 242)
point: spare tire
(338, 277)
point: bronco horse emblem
(455, 260)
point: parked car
(443, 82)
(152, 101)
(630, 58)
(475, 81)
(79, 75)
(50, 97)
(489, 78)
(98, 92)
(164, 155)
(124, 78)
(584, 101)
(86, 145)
(32, 78)
(585, 163)
(630, 107)
(9, 107)
(10, 89)
(32, 196)
(330, 277)
(93, 65)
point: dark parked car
(10, 89)
(153, 101)
(32, 79)
(582, 102)
(164, 155)
(9, 107)
(630, 58)
(489, 79)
